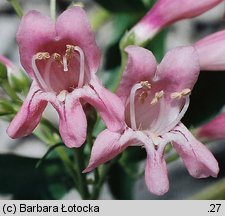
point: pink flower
(156, 98)
(166, 12)
(62, 58)
(213, 130)
(214, 46)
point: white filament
(132, 105)
(65, 65)
(37, 74)
(161, 117)
(48, 71)
(81, 77)
(179, 117)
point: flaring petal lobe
(141, 66)
(72, 122)
(35, 30)
(198, 159)
(29, 114)
(73, 24)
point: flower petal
(179, 70)
(198, 159)
(34, 32)
(141, 66)
(160, 16)
(73, 25)
(72, 122)
(214, 46)
(107, 146)
(29, 115)
(213, 130)
(156, 177)
(108, 105)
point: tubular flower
(166, 12)
(62, 58)
(213, 130)
(155, 99)
(214, 46)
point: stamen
(42, 55)
(158, 96)
(39, 56)
(144, 84)
(143, 96)
(132, 105)
(57, 58)
(69, 51)
(62, 95)
(81, 78)
(179, 95)
(179, 117)
(65, 65)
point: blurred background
(19, 179)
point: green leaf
(47, 133)
(16, 6)
(20, 178)
(20, 83)
(3, 72)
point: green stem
(102, 174)
(67, 164)
(16, 6)
(82, 181)
(53, 9)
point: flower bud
(211, 51)
(166, 12)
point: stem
(53, 9)
(68, 164)
(101, 176)
(82, 181)
(16, 6)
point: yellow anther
(69, 50)
(179, 95)
(143, 96)
(57, 58)
(145, 85)
(42, 55)
(186, 92)
(158, 96)
(62, 95)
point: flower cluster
(62, 59)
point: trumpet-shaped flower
(62, 58)
(166, 12)
(214, 46)
(155, 99)
(214, 129)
